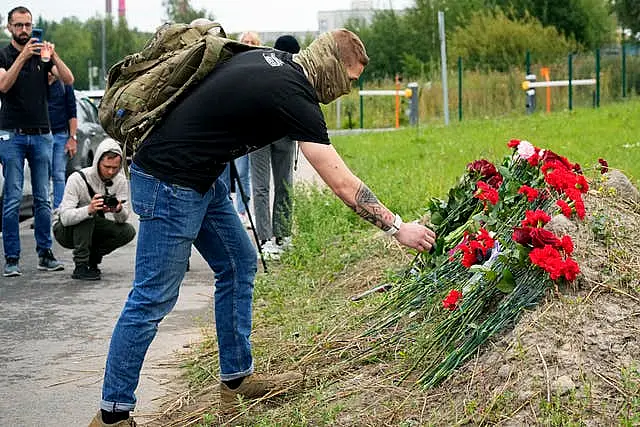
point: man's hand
(116, 209)
(30, 49)
(71, 147)
(97, 204)
(416, 236)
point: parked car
(90, 134)
(94, 95)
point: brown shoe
(257, 385)
(97, 422)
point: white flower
(526, 149)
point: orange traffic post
(544, 71)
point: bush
(492, 41)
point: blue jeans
(242, 166)
(37, 150)
(171, 219)
(59, 166)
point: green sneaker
(11, 268)
(257, 385)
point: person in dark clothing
(252, 99)
(24, 65)
(64, 122)
(274, 226)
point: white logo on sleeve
(272, 59)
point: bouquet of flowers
(493, 258)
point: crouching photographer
(80, 222)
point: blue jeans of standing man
(242, 165)
(36, 149)
(171, 219)
(59, 166)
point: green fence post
(361, 84)
(459, 88)
(527, 62)
(570, 80)
(597, 78)
(624, 70)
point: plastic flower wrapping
(495, 256)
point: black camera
(110, 201)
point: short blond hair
(250, 37)
(351, 48)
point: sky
(234, 15)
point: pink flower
(526, 149)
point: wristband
(395, 227)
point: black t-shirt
(25, 104)
(246, 103)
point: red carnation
(513, 143)
(451, 301)
(550, 156)
(475, 251)
(549, 259)
(531, 193)
(564, 206)
(567, 245)
(582, 184)
(536, 218)
(485, 238)
(580, 209)
(486, 192)
(570, 269)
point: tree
(493, 41)
(386, 40)
(423, 33)
(181, 11)
(588, 21)
(73, 43)
(628, 13)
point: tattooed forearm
(369, 208)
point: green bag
(141, 88)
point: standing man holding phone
(24, 64)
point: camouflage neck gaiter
(325, 71)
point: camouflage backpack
(141, 88)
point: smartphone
(36, 33)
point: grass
(303, 318)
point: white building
(362, 10)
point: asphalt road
(55, 332)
